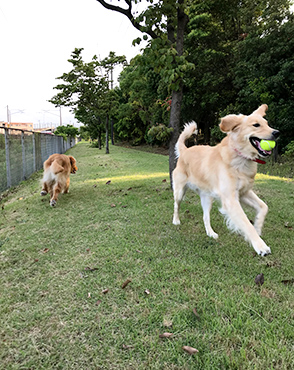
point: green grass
(56, 262)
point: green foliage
(159, 134)
(86, 88)
(264, 73)
(289, 152)
(216, 135)
(68, 130)
(236, 55)
(96, 144)
(141, 101)
(85, 133)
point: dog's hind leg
(56, 191)
(206, 203)
(67, 186)
(252, 200)
(44, 190)
(179, 188)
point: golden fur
(226, 172)
(57, 169)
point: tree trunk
(106, 134)
(111, 132)
(174, 122)
(177, 96)
(99, 140)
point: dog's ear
(230, 122)
(261, 110)
(72, 160)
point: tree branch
(128, 14)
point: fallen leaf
(195, 312)
(289, 281)
(98, 302)
(167, 323)
(94, 186)
(259, 280)
(112, 205)
(137, 250)
(104, 291)
(123, 206)
(164, 180)
(46, 250)
(165, 335)
(88, 249)
(91, 269)
(129, 189)
(126, 283)
(147, 292)
(125, 346)
(108, 182)
(190, 350)
(89, 295)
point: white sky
(37, 39)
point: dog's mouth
(255, 142)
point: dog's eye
(256, 125)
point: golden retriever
(57, 169)
(226, 172)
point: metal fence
(23, 152)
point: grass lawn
(62, 305)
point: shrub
(159, 134)
(289, 150)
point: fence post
(8, 174)
(23, 156)
(34, 151)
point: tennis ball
(267, 144)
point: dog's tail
(56, 167)
(189, 129)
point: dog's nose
(276, 134)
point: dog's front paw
(176, 221)
(44, 192)
(213, 235)
(265, 252)
(262, 249)
(53, 203)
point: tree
(164, 22)
(86, 90)
(142, 100)
(109, 63)
(219, 46)
(264, 72)
(81, 90)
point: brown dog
(57, 169)
(226, 172)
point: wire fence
(23, 152)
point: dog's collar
(250, 159)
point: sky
(37, 39)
